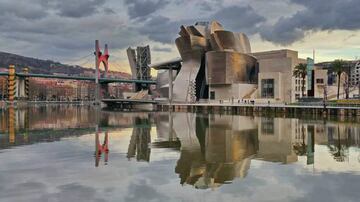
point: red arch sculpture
(101, 149)
(102, 58)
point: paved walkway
(272, 105)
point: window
(212, 95)
(319, 80)
(267, 126)
(267, 88)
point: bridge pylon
(104, 59)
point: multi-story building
(349, 79)
(275, 78)
(320, 82)
(82, 90)
(3, 88)
(355, 74)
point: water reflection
(216, 149)
(22, 126)
(220, 155)
(140, 140)
(212, 149)
(101, 149)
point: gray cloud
(109, 11)
(63, 37)
(237, 18)
(161, 49)
(148, 193)
(74, 9)
(162, 29)
(73, 192)
(58, 29)
(142, 8)
(22, 10)
(316, 15)
(209, 5)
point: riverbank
(296, 109)
(260, 108)
(5, 104)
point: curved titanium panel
(225, 40)
(190, 43)
(196, 30)
(187, 75)
(215, 26)
(162, 82)
(183, 31)
(229, 67)
(244, 42)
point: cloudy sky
(65, 30)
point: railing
(339, 103)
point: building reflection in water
(166, 137)
(213, 149)
(276, 139)
(101, 148)
(140, 140)
(338, 144)
(222, 152)
(216, 149)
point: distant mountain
(40, 66)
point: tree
(338, 66)
(300, 71)
(300, 148)
(338, 150)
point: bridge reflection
(22, 126)
(101, 148)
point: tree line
(338, 66)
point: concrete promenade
(236, 107)
(271, 105)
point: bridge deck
(101, 80)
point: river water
(73, 153)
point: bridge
(80, 78)
(18, 82)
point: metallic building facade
(211, 56)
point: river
(80, 153)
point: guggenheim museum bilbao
(217, 64)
